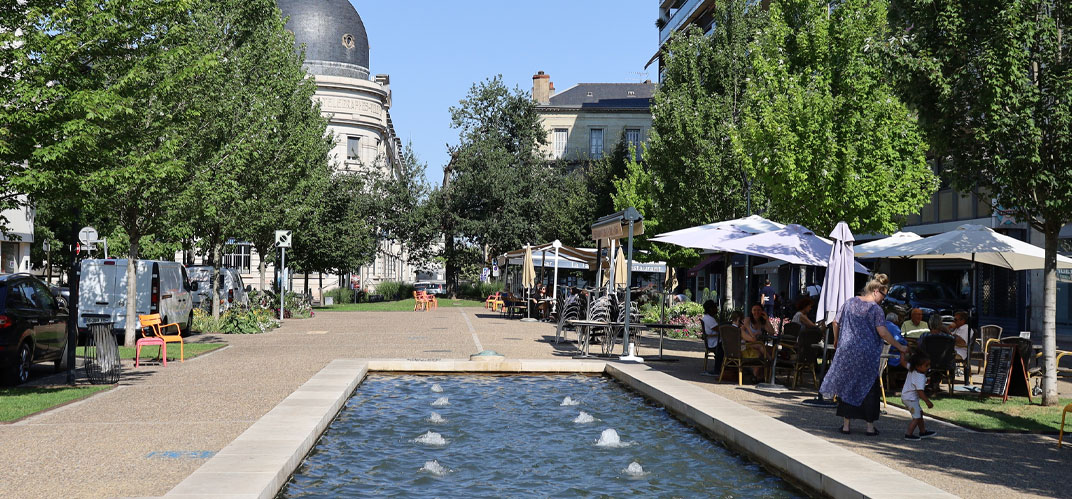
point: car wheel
(19, 371)
(186, 331)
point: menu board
(999, 364)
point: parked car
(33, 326)
(434, 288)
(232, 291)
(163, 287)
(930, 297)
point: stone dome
(334, 36)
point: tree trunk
(1049, 317)
(132, 292)
(261, 268)
(214, 282)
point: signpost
(282, 241)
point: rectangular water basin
(518, 435)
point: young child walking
(912, 393)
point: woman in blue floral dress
(853, 374)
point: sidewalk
(161, 424)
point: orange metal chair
(152, 323)
(419, 302)
(429, 300)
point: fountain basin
(259, 462)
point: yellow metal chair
(152, 322)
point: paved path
(161, 424)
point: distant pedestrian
(766, 298)
(853, 375)
(915, 390)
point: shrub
(394, 290)
(204, 322)
(247, 321)
(341, 295)
(479, 290)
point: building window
(559, 141)
(595, 142)
(632, 137)
(238, 257)
(353, 148)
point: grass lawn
(151, 352)
(989, 414)
(397, 306)
(16, 403)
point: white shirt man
(962, 333)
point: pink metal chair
(151, 340)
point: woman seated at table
(752, 328)
(804, 306)
(936, 325)
(540, 303)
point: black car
(930, 297)
(33, 326)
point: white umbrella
(710, 235)
(975, 243)
(794, 244)
(896, 239)
(528, 275)
(838, 285)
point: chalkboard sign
(1001, 360)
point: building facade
(15, 243)
(586, 121)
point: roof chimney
(541, 88)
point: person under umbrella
(852, 375)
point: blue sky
(435, 50)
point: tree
(342, 229)
(698, 174)
(498, 192)
(102, 105)
(405, 215)
(993, 84)
(246, 115)
(826, 136)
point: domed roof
(334, 36)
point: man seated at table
(914, 327)
(962, 334)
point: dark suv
(930, 297)
(33, 326)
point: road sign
(495, 270)
(45, 246)
(87, 235)
(282, 238)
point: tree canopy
(825, 134)
(992, 81)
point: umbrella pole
(627, 350)
(554, 288)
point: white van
(232, 292)
(162, 287)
